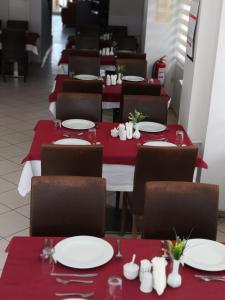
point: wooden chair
(17, 24)
(87, 42)
(130, 55)
(71, 160)
(14, 50)
(153, 107)
(127, 43)
(86, 106)
(84, 65)
(67, 206)
(117, 30)
(82, 86)
(157, 164)
(136, 67)
(141, 88)
(183, 206)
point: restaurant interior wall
(202, 100)
(215, 142)
(36, 13)
(128, 13)
(160, 40)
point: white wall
(198, 75)
(215, 142)
(127, 12)
(160, 40)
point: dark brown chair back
(153, 107)
(117, 30)
(82, 86)
(84, 65)
(128, 43)
(67, 206)
(13, 44)
(71, 160)
(182, 206)
(161, 164)
(86, 106)
(87, 42)
(17, 24)
(88, 30)
(130, 55)
(133, 66)
(143, 88)
(77, 52)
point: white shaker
(122, 132)
(108, 80)
(144, 267)
(146, 283)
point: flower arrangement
(120, 69)
(136, 117)
(176, 248)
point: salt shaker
(108, 80)
(146, 283)
(145, 267)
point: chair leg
(117, 200)
(123, 214)
(134, 226)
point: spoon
(119, 254)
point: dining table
(118, 156)
(111, 94)
(31, 42)
(26, 276)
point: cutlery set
(210, 277)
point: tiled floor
(21, 105)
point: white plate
(83, 252)
(78, 124)
(151, 127)
(72, 142)
(133, 78)
(205, 255)
(86, 77)
(159, 143)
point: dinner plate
(86, 77)
(83, 252)
(159, 143)
(151, 127)
(133, 78)
(78, 124)
(205, 255)
(72, 142)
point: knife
(73, 274)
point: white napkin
(159, 274)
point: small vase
(119, 78)
(136, 134)
(174, 279)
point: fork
(210, 277)
(65, 281)
(84, 295)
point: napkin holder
(122, 132)
(159, 274)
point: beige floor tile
(221, 227)
(6, 186)
(25, 232)
(13, 200)
(11, 151)
(17, 159)
(15, 138)
(12, 222)
(220, 236)
(4, 209)
(24, 210)
(3, 254)
(13, 177)
(7, 167)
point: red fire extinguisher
(159, 70)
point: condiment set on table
(126, 131)
(114, 79)
(106, 51)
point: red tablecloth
(25, 277)
(114, 152)
(104, 60)
(111, 93)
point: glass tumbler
(179, 137)
(114, 288)
(57, 124)
(92, 135)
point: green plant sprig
(136, 116)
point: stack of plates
(133, 78)
(69, 141)
(78, 124)
(205, 255)
(151, 127)
(159, 144)
(86, 77)
(83, 252)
